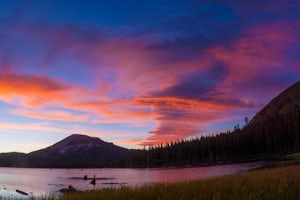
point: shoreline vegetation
(270, 183)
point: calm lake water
(39, 182)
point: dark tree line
(276, 135)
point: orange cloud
(42, 91)
(31, 90)
(114, 111)
(181, 103)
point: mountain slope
(286, 102)
(276, 128)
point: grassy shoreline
(276, 184)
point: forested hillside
(274, 130)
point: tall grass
(273, 184)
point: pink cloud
(39, 127)
(255, 54)
(51, 115)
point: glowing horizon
(140, 73)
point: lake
(39, 182)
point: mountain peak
(76, 140)
(81, 137)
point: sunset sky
(140, 72)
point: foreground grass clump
(273, 184)
(293, 156)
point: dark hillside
(275, 130)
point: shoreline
(263, 159)
(269, 161)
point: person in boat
(93, 182)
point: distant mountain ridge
(74, 151)
(13, 159)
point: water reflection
(39, 182)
